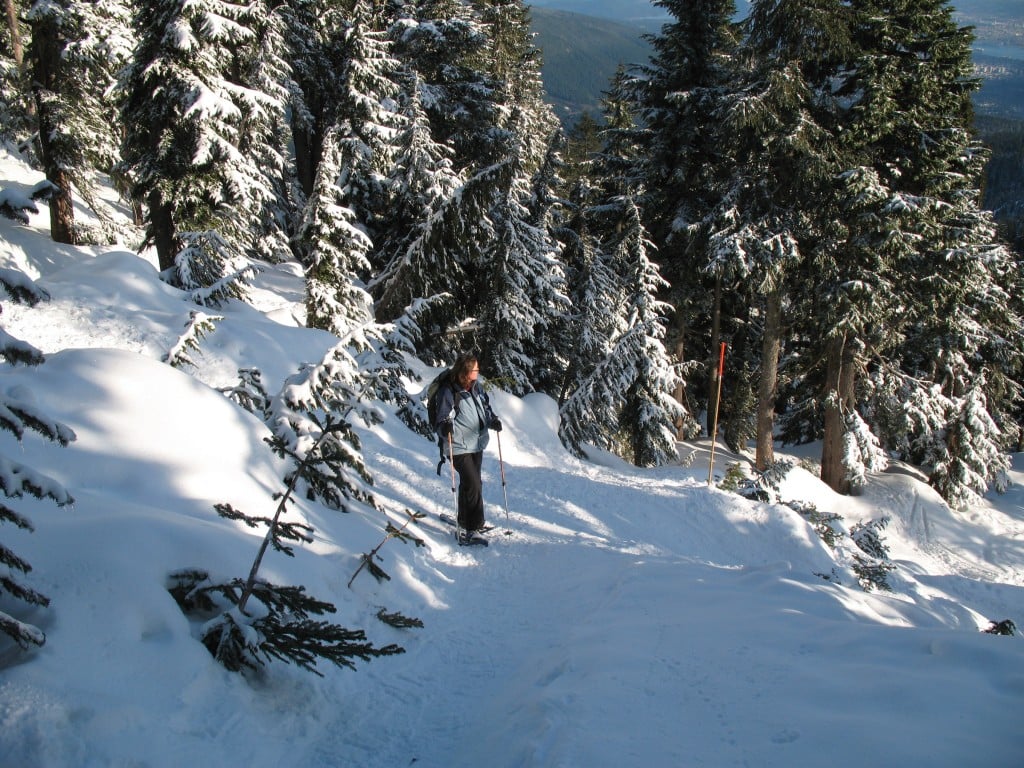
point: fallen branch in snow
(390, 532)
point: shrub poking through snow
(873, 566)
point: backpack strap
(440, 451)
(440, 440)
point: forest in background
(802, 188)
(582, 50)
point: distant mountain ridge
(582, 51)
(580, 56)
(633, 12)
(644, 12)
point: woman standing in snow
(464, 415)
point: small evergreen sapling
(18, 413)
(873, 566)
(315, 405)
(285, 631)
(369, 560)
(1004, 627)
(283, 627)
(763, 486)
(250, 393)
(822, 522)
(734, 477)
(199, 324)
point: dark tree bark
(47, 80)
(839, 389)
(716, 334)
(771, 343)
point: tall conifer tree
(685, 162)
(74, 53)
(781, 156)
(421, 184)
(912, 123)
(522, 281)
(191, 118)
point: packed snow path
(604, 631)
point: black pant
(471, 499)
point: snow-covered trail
(597, 630)
(634, 617)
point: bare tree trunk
(162, 229)
(62, 209)
(716, 334)
(768, 383)
(305, 156)
(47, 54)
(840, 379)
(680, 393)
(12, 26)
(680, 355)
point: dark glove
(445, 429)
(496, 425)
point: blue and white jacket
(469, 411)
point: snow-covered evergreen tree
(650, 410)
(973, 456)
(854, 305)
(444, 43)
(862, 454)
(918, 261)
(368, 120)
(594, 288)
(680, 94)
(478, 75)
(350, 196)
(627, 403)
(194, 130)
(514, 66)
(330, 391)
(685, 163)
(75, 51)
(268, 204)
(312, 34)
(616, 169)
(521, 282)
(551, 348)
(19, 412)
(421, 183)
(338, 246)
(766, 223)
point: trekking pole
(455, 496)
(501, 466)
(718, 400)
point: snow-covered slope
(631, 617)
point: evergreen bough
(873, 566)
(18, 413)
(286, 630)
(199, 324)
(283, 627)
(1004, 627)
(369, 559)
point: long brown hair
(462, 366)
